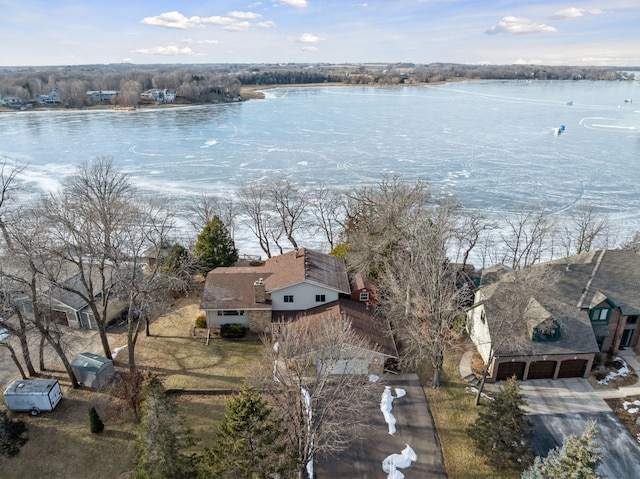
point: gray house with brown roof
(592, 308)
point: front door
(626, 338)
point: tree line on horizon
(206, 83)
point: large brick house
(592, 308)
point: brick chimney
(260, 292)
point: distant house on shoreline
(159, 95)
(102, 96)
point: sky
(77, 32)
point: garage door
(542, 370)
(572, 368)
(507, 370)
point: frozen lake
(491, 143)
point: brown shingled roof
(375, 330)
(233, 288)
(306, 265)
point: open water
(490, 143)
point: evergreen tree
(576, 458)
(215, 247)
(246, 442)
(11, 432)
(177, 260)
(97, 426)
(500, 432)
(162, 435)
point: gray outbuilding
(92, 370)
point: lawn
(453, 410)
(60, 444)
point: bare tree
(203, 208)
(472, 225)
(86, 225)
(129, 93)
(290, 203)
(378, 219)
(584, 228)
(9, 187)
(320, 410)
(526, 237)
(144, 286)
(23, 281)
(255, 204)
(424, 295)
(327, 207)
(15, 325)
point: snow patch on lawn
(623, 371)
(474, 390)
(115, 352)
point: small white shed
(92, 370)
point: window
(320, 298)
(600, 315)
(288, 298)
(230, 313)
(632, 319)
(364, 295)
(546, 331)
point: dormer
(540, 325)
(600, 309)
(547, 330)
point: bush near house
(201, 321)
(232, 331)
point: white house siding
(304, 297)
(215, 321)
(479, 332)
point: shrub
(232, 331)
(201, 321)
(97, 426)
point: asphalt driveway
(414, 427)
(561, 407)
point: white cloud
(267, 24)
(295, 3)
(178, 20)
(519, 26)
(245, 15)
(169, 50)
(191, 41)
(574, 12)
(362, 5)
(309, 49)
(308, 38)
(238, 27)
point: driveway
(561, 407)
(414, 427)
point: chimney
(260, 293)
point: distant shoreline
(248, 92)
(254, 92)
